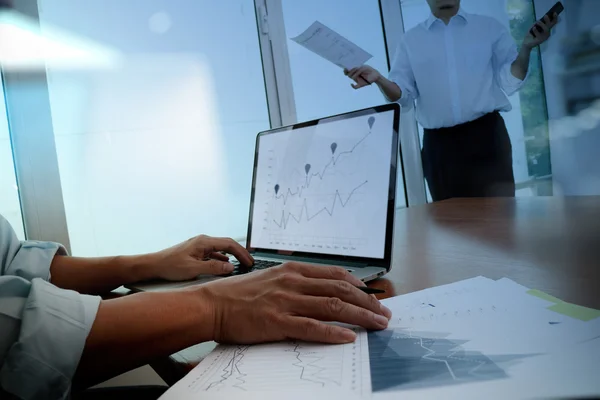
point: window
(320, 88)
(10, 207)
(155, 129)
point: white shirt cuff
(35, 258)
(54, 328)
(513, 84)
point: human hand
(363, 76)
(197, 256)
(537, 38)
(289, 302)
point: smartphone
(556, 9)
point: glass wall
(321, 89)
(155, 107)
(10, 207)
(155, 127)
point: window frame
(34, 149)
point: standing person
(460, 68)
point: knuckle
(292, 267)
(374, 304)
(335, 305)
(273, 318)
(364, 315)
(310, 326)
(344, 288)
(338, 273)
(283, 296)
(288, 279)
(328, 331)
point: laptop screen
(324, 187)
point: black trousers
(473, 159)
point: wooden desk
(547, 243)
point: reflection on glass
(24, 48)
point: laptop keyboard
(258, 265)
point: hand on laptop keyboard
(198, 256)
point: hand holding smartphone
(556, 9)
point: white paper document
(333, 47)
(477, 338)
(272, 369)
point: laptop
(323, 192)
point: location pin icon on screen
(307, 168)
(371, 122)
(333, 148)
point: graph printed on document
(289, 365)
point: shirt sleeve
(29, 259)
(402, 75)
(504, 55)
(43, 329)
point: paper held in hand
(332, 46)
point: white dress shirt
(456, 72)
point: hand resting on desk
(287, 302)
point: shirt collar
(432, 18)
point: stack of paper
(477, 338)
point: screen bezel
(396, 157)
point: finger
(358, 85)
(219, 256)
(540, 26)
(335, 309)
(546, 20)
(311, 330)
(326, 272)
(232, 247)
(342, 290)
(346, 71)
(365, 80)
(213, 267)
(532, 33)
(356, 74)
